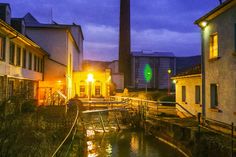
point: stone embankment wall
(189, 140)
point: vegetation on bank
(31, 130)
(155, 95)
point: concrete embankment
(184, 135)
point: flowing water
(127, 143)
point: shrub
(29, 106)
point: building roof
(31, 21)
(183, 63)
(216, 11)
(20, 36)
(195, 70)
(152, 54)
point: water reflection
(127, 144)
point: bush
(29, 106)
(168, 98)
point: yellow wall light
(203, 24)
(90, 77)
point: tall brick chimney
(124, 42)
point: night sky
(157, 25)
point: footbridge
(115, 113)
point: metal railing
(156, 107)
(71, 132)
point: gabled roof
(20, 36)
(195, 70)
(152, 54)
(32, 22)
(30, 19)
(217, 11)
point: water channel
(127, 143)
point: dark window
(39, 63)
(97, 90)
(30, 61)
(24, 59)
(18, 56)
(35, 63)
(2, 48)
(10, 88)
(183, 93)
(214, 96)
(12, 53)
(197, 94)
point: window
(30, 61)
(214, 46)
(214, 96)
(24, 59)
(2, 48)
(197, 94)
(18, 56)
(97, 90)
(183, 94)
(10, 88)
(35, 63)
(12, 53)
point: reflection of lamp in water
(89, 80)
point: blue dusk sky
(156, 25)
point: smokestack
(124, 41)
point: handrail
(69, 133)
(156, 102)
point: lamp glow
(90, 78)
(203, 24)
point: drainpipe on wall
(203, 74)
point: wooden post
(232, 139)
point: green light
(147, 73)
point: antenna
(51, 14)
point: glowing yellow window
(214, 46)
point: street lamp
(169, 72)
(90, 79)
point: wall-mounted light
(203, 24)
(90, 77)
(169, 71)
(174, 81)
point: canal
(127, 143)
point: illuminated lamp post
(90, 79)
(169, 73)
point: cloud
(161, 25)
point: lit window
(214, 46)
(2, 48)
(214, 96)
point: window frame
(212, 46)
